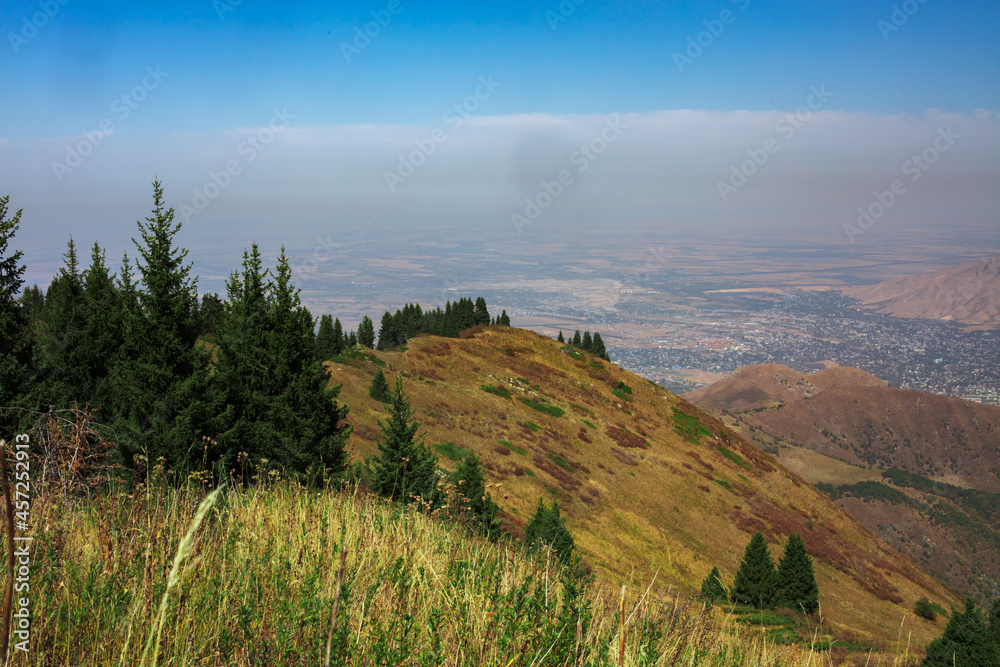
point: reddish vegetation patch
(704, 488)
(582, 435)
(626, 438)
(697, 458)
(688, 466)
(706, 475)
(366, 432)
(624, 458)
(565, 479)
(500, 449)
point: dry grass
(252, 579)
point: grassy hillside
(918, 469)
(651, 484)
(260, 581)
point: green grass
(492, 389)
(723, 483)
(688, 426)
(514, 448)
(561, 462)
(596, 364)
(532, 426)
(352, 357)
(452, 451)
(588, 424)
(732, 456)
(541, 407)
(571, 351)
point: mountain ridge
(653, 487)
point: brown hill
(652, 486)
(845, 429)
(852, 416)
(968, 294)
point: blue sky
(899, 72)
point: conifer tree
(756, 580)
(712, 589)
(405, 467)
(366, 332)
(560, 337)
(379, 388)
(967, 640)
(209, 314)
(481, 314)
(797, 587)
(63, 367)
(352, 339)
(160, 375)
(994, 620)
(387, 332)
(598, 347)
(16, 349)
(274, 389)
(33, 301)
(547, 529)
(338, 337)
(326, 338)
(587, 343)
(577, 341)
(468, 479)
(504, 319)
(103, 332)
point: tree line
(593, 344)
(188, 383)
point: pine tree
(797, 587)
(338, 337)
(560, 337)
(379, 388)
(756, 580)
(274, 389)
(547, 529)
(577, 341)
(587, 343)
(103, 331)
(366, 332)
(481, 314)
(15, 332)
(63, 367)
(160, 374)
(326, 338)
(387, 332)
(712, 589)
(468, 479)
(352, 339)
(504, 319)
(210, 313)
(966, 641)
(406, 467)
(598, 347)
